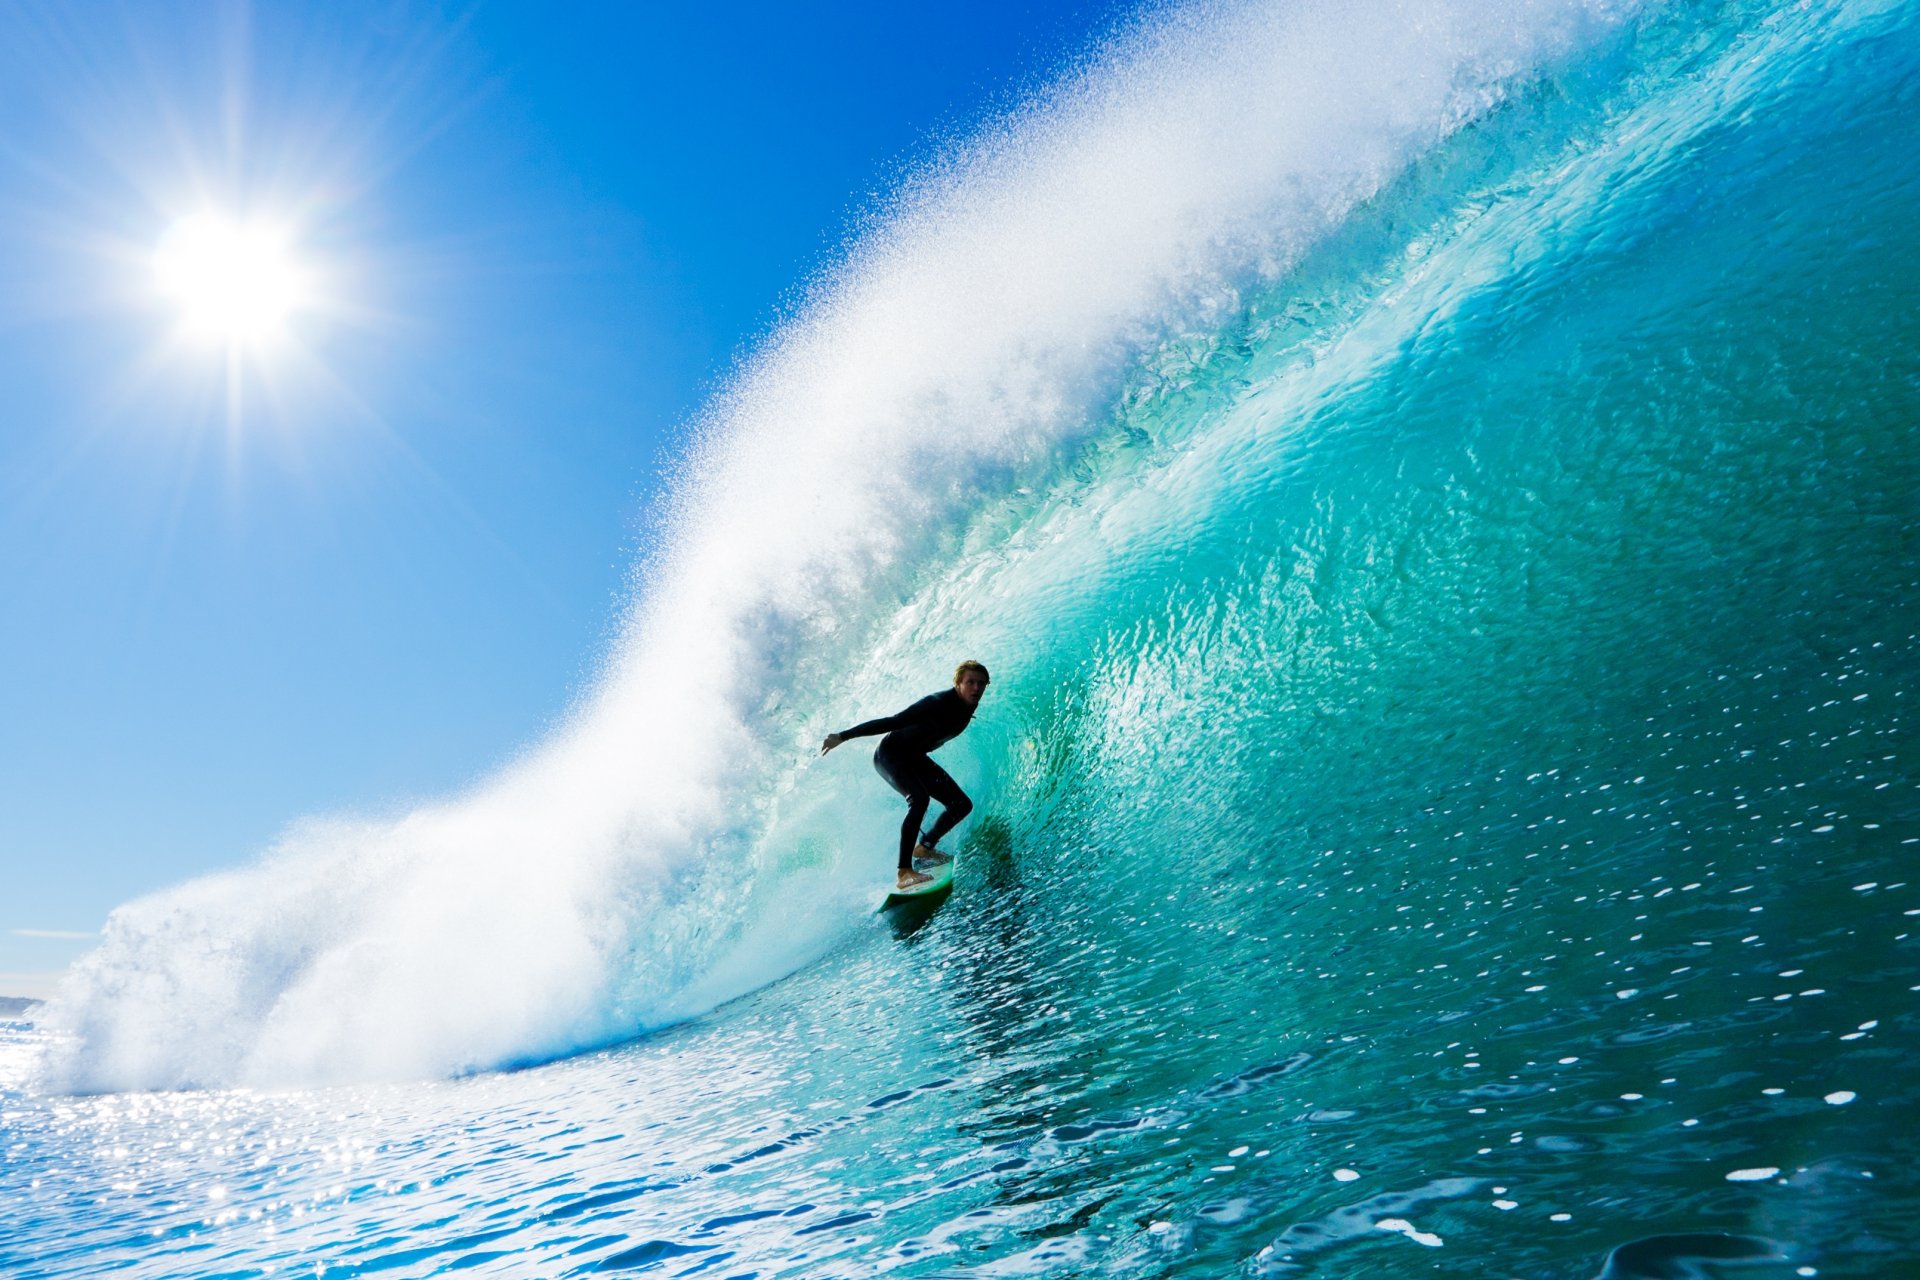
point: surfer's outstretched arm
(865, 729)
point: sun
(233, 281)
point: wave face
(1434, 485)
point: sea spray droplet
(1344, 1175)
(1841, 1097)
(1751, 1175)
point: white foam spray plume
(608, 881)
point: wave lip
(635, 868)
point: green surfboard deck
(932, 891)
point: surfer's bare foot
(912, 879)
(931, 856)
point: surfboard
(941, 883)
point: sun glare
(235, 282)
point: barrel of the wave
(923, 872)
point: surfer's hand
(833, 740)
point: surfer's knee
(960, 807)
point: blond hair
(971, 665)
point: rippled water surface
(1485, 1070)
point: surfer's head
(970, 681)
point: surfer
(902, 759)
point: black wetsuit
(901, 758)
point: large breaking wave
(1058, 409)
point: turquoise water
(1447, 804)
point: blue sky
(365, 563)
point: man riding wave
(902, 759)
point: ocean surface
(1436, 487)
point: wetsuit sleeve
(867, 728)
(914, 714)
